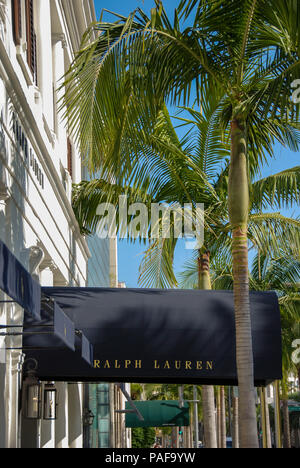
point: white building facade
(38, 164)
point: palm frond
(269, 232)
(189, 278)
(156, 269)
(278, 191)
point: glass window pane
(103, 387)
(103, 440)
(103, 411)
(103, 398)
(103, 425)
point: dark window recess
(70, 158)
(16, 21)
(31, 39)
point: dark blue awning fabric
(87, 352)
(46, 325)
(55, 330)
(162, 337)
(17, 283)
(64, 328)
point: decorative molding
(4, 191)
(36, 257)
(60, 282)
(21, 57)
(48, 264)
(3, 11)
(61, 37)
(48, 131)
(4, 187)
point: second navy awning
(55, 331)
(18, 284)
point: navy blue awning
(18, 284)
(160, 336)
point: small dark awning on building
(46, 326)
(17, 283)
(55, 330)
(87, 351)
(160, 336)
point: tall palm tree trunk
(238, 200)
(235, 405)
(175, 437)
(265, 419)
(208, 393)
(287, 443)
(219, 437)
(223, 418)
(269, 432)
(209, 417)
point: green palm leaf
(280, 190)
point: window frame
(16, 13)
(25, 39)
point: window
(23, 31)
(99, 405)
(103, 416)
(17, 21)
(30, 37)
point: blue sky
(127, 6)
(131, 255)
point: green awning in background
(159, 414)
(294, 409)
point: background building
(38, 164)
(103, 399)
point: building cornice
(92, 9)
(78, 15)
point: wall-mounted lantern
(31, 392)
(88, 418)
(50, 402)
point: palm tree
(279, 274)
(188, 171)
(248, 51)
(290, 303)
(282, 275)
(235, 427)
(208, 393)
(205, 151)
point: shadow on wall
(61, 427)
(75, 422)
(2, 404)
(16, 204)
(29, 434)
(72, 260)
(11, 223)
